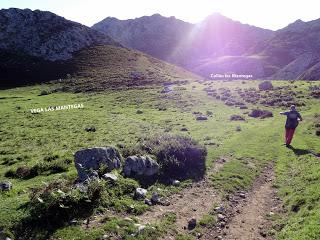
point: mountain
(221, 45)
(34, 44)
(185, 44)
(44, 34)
(293, 52)
(37, 46)
(155, 35)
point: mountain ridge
(221, 45)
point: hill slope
(104, 66)
(37, 46)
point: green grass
(33, 139)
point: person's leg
(290, 135)
(286, 135)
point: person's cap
(293, 107)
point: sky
(270, 14)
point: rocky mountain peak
(45, 34)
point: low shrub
(178, 156)
(55, 204)
(257, 113)
(44, 92)
(47, 167)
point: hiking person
(293, 118)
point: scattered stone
(139, 111)
(176, 183)
(210, 113)
(238, 129)
(237, 118)
(140, 165)
(5, 186)
(265, 85)
(140, 227)
(92, 175)
(164, 202)
(199, 235)
(184, 129)
(201, 118)
(148, 202)
(105, 237)
(263, 234)
(93, 158)
(140, 193)
(155, 199)
(128, 219)
(221, 217)
(4, 236)
(192, 223)
(222, 224)
(90, 129)
(73, 222)
(242, 195)
(219, 209)
(110, 176)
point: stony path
(191, 202)
(251, 222)
(246, 217)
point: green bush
(54, 204)
(178, 156)
(51, 167)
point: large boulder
(265, 85)
(87, 160)
(140, 166)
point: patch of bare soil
(246, 214)
(191, 202)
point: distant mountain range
(221, 45)
(37, 46)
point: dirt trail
(247, 212)
(194, 201)
(251, 222)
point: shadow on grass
(196, 174)
(300, 152)
(42, 226)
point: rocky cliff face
(45, 35)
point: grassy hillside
(94, 68)
(45, 143)
(104, 67)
